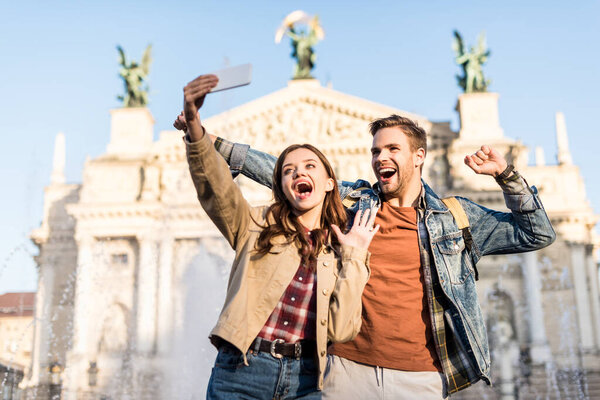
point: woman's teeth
(303, 189)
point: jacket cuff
(523, 202)
(238, 158)
(196, 150)
(355, 253)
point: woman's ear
(329, 185)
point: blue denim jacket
(448, 263)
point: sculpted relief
(299, 121)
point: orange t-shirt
(396, 326)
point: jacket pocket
(457, 260)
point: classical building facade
(132, 273)
(16, 339)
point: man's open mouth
(386, 173)
(303, 189)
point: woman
(293, 285)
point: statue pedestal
(479, 118)
(479, 125)
(131, 131)
(304, 83)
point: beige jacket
(256, 283)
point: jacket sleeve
(220, 197)
(254, 164)
(345, 303)
(525, 228)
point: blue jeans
(265, 377)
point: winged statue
(472, 79)
(134, 76)
(302, 41)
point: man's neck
(408, 198)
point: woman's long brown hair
(281, 219)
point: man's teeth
(386, 172)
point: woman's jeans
(266, 377)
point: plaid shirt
(456, 364)
(294, 317)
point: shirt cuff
(518, 195)
(224, 147)
(514, 184)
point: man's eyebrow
(307, 160)
(386, 146)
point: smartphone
(233, 77)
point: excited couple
(303, 262)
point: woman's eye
(310, 165)
(287, 171)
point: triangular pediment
(303, 112)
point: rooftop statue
(302, 41)
(472, 79)
(134, 75)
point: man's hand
(362, 230)
(193, 98)
(487, 161)
(180, 124)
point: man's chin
(388, 187)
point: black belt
(278, 348)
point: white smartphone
(233, 77)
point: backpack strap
(462, 221)
(352, 197)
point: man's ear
(419, 157)
(329, 185)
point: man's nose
(382, 156)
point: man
(423, 334)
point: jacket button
(325, 292)
(323, 321)
(323, 353)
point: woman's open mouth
(302, 189)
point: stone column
(540, 352)
(43, 326)
(146, 295)
(83, 293)
(165, 296)
(592, 273)
(582, 296)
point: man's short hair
(416, 135)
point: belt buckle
(297, 350)
(272, 349)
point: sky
(59, 73)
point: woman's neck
(310, 219)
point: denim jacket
(449, 266)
